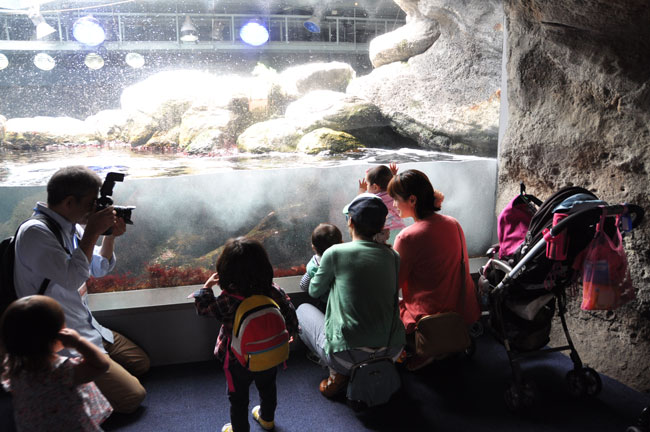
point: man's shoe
(334, 384)
(226, 428)
(266, 425)
(314, 358)
(417, 362)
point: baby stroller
(523, 290)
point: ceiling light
(88, 31)
(44, 61)
(135, 60)
(43, 29)
(4, 61)
(312, 24)
(188, 31)
(94, 61)
(254, 33)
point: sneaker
(227, 428)
(266, 425)
(333, 384)
(417, 362)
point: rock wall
(437, 78)
(578, 109)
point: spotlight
(312, 24)
(135, 60)
(254, 33)
(94, 61)
(4, 61)
(43, 29)
(88, 31)
(44, 61)
(188, 31)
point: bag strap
(463, 272)
(396, 302)
(54, 227)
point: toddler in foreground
(50, 392)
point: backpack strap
(55, 229)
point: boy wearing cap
(362, 316)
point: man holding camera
(71, 202)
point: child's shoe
(227, 428)
(266, 425)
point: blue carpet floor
(464, 395)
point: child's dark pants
(265, 383)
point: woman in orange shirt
(430, 276)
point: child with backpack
(49, 391)
(247, 308)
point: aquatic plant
(159, 276)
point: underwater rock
(403, 43)
(323, 139)
(299, 80)
(3, 121)
(272, 135)
(139, 128)
(335, 110)
(163, 141)
(108, 124)
(201, 131)
(285, 235)
(452, 88)
(39, 132)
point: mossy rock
(324, 139)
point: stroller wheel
(521, 397)
(471, 349)
(476, 330)
(575, 383)
(593, 383)
(585, 381)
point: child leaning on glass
(323, 236)
(49, 391)
(375, 182)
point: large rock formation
(441, 91)
(578, 113)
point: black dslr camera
(105, 200)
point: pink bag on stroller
(606, 282)
(512, 225)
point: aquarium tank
(227, 118)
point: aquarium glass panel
(218, 138)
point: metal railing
(147, 31)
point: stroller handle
(591, 215)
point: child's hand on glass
(363, 185)
(393, 168)
(212, 281)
